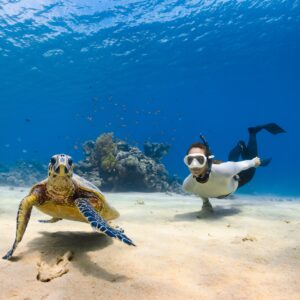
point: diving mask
(195, 160)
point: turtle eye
(70, 162)
(53, 160)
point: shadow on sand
(53, 245)
(219, 212)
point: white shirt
(221, 180)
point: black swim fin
(264, 162)
(274, 128)
(270, 127)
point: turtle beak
(62, 168)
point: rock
(47, 272)
(249, 238)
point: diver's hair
(207, 152)
(201, 146)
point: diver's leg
(23, 217)
(236, 152)
(245, 176)
(251, 150)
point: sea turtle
(65, 195)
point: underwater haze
(160, 71)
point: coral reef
(114, 165)
(109, 163)
(23, 173)
(157, 151)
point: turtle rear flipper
(52, 220)
(23, 217)
(98, 223)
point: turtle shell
(96, 197)
(107, 211)
(87, 186)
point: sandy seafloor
(250, 249)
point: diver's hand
(257, 161)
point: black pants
(245, 152)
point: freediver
(214, 179)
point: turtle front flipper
(23, 217)
(98, 223)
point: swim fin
(264, 162)
(270, 127)
(274, 128)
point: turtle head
(60, 165)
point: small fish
(27, 120)
(24, 150)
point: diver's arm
(231, 168)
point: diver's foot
(264, 162)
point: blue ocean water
(162, 71)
